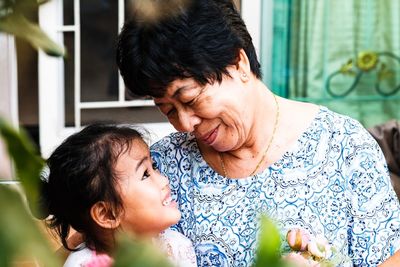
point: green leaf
(18, 25)
(138, 253)
(40, 2)
(268, 252)
(24, 6)
(20, 236)
(27, 7)
(28, 163)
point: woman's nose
(187, 121)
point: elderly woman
(242, 151)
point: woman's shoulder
(342, 129)
(337, 122)
(174, 141)
(329, 127)
(307, 120)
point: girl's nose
(161, 179)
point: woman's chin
(221, 148)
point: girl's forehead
(138, 148)
(135, 156)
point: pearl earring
(244, 75)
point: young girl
(101, 180)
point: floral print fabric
(333, 182)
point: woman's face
(145, 193)
(216, 113)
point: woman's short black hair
(199, 41)
(81, 173)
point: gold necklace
(266, 150)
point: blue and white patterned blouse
(332, 182)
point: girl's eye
(146, 175)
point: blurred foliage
(131, 252)
(20, 237)
(13, 20)
(28, 163)
(268, 252)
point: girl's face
(218, 113)
(145, 193)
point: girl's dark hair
(81, 173)
(199, 41)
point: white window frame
(8, 97)
(52, 128)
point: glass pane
(128, 11)
(68, 12)
(99, 29)
(28, 97)
(69, 77)
(123, 115)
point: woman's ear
(243, 65)
(103, 215)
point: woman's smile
(210, 137)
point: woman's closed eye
(170, 112)
(166, 109)
(195, 99)
(191, 102)
(192, 96)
